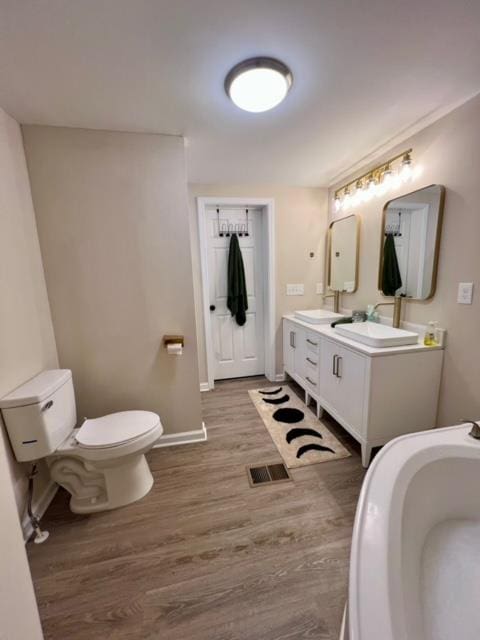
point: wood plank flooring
(204, 556)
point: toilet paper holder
(173, 340)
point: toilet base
(100, 486)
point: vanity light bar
(377, 179)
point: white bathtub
(415, 562)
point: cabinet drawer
(311, 381)
(312, 342)
(311, 371)
(311, 361)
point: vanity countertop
(329, 332)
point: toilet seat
(115, 429)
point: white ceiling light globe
(258, 84)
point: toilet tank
(40, 414)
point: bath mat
(299, 436)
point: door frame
(267, 207)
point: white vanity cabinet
(375, 394)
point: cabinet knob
(212, 307)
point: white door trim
(267, 206)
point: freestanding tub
(415, 561)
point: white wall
(449, 153)
(112, 216)
(300, 227)
(26, 347)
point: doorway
(235, 351)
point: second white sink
(377, 335)
(318, 316)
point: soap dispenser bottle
(430, 339)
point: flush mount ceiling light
(258, 84)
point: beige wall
(27, 346)
(113, 224)
(449, 153)
(300, 227)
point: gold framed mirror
(410, 243)
(343, 251)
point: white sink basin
(377, 335)
(318, 316)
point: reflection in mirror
(410, 242)
(343, 254)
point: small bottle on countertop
(430, 339)
(372, 314)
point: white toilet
(101, 464)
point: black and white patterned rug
(299, 436)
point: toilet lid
(116, 428)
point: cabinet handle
(339, 361)
(311, 381)
(311, 362)
(334, 365)
(315, 344)
(293, 340)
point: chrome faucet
(475, 430)
(336, 300)
(397, 310)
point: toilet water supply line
(40, 536)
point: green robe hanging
(237, 300)
(391, 277)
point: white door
(238, 351)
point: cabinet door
(299, 354)
(289, 347)
(342, 375)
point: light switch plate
(465, 293)
(295, 289)
(320, 288)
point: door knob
(212, 307)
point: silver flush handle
(48, 405)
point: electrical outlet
(320, 288)
(465, 293)
(295, 289)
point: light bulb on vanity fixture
(359, 194)
(371, 187)
(406, 170)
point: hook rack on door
(225, 228)
(394, 229)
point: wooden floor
(204, 556)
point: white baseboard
(39, 506)
(204, 386)
(184, 437)
(280, 377)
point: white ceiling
(365, 71)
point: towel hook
(220, 232)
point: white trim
(184, 437)
(39, 506)
(204, 386)
(280, 377)
(268, 226)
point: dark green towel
(391, 278)
(237, 300)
